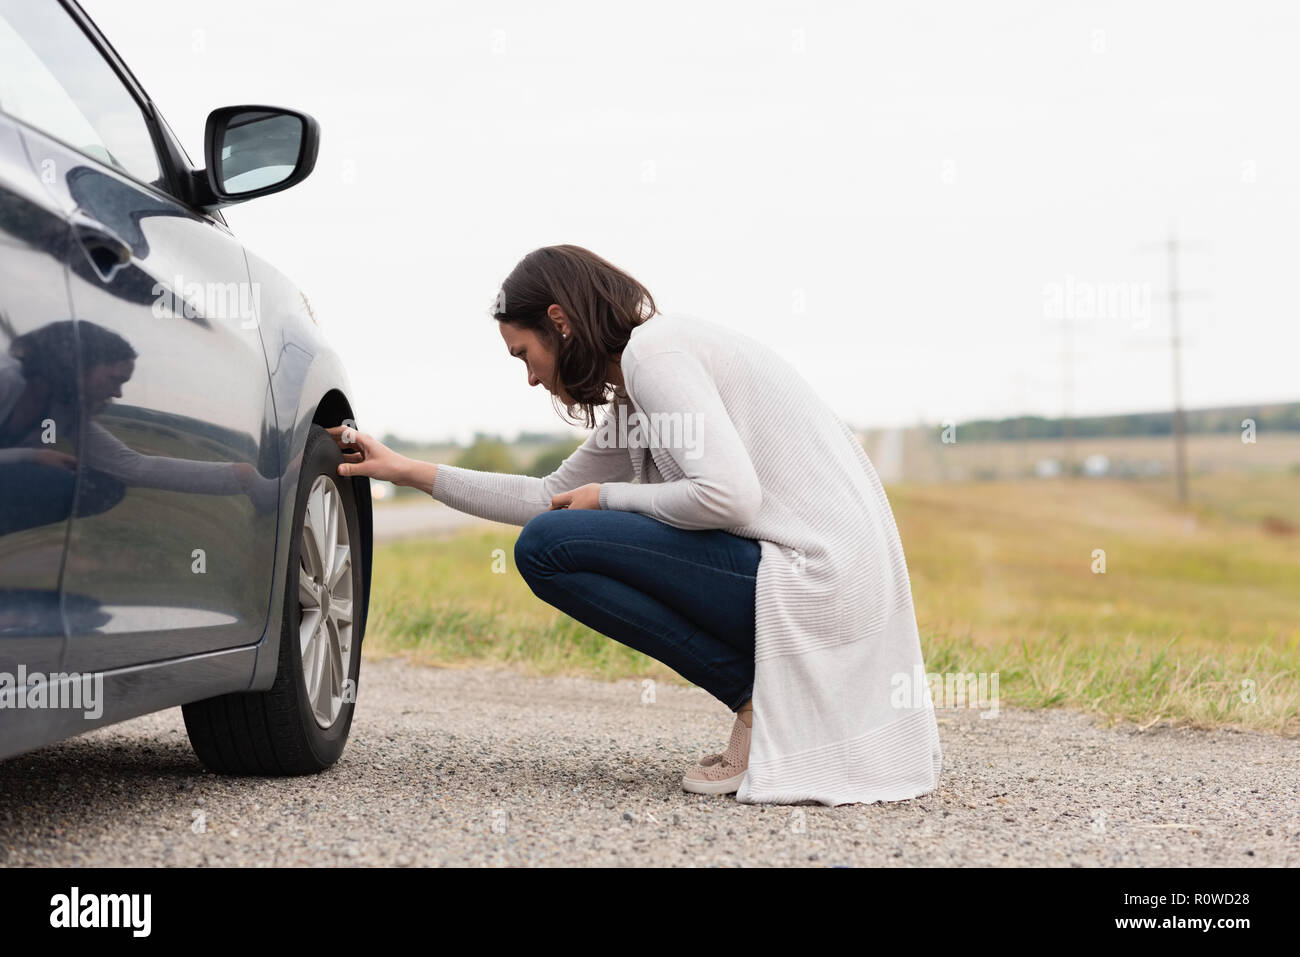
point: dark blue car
(173, 529)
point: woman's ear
(559, 319)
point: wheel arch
(332, 408)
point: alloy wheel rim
(325, 599)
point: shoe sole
(724, 786)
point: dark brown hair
(602, 303)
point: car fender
(308, 384)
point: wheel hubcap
(325, 597)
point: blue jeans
(683, 597)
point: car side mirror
(252, 151)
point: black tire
(274, 732)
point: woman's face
(537, 358)
(103, 382)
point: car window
(53, 78)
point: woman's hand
(584, 496)
(54, 458)
(245, 472)
(373, 459)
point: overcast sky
(909, 201)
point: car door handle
(107, 251)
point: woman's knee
(535, 539)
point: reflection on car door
(38, 384)
(171, 549)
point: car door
(38, 382)
(171, 547)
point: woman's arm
(102, 450)
(514, 499)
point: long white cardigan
(740, 441)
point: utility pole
(1175, 296)
(1067, 417)
(1180, 426)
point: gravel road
(488, 767)
(425, 520)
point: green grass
(1196, 620)
(440, 602)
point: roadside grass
(1195, 620)
(439, 602)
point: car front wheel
(300, 724)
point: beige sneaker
(721, 773)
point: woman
(755, 554)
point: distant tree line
(489, 454)
(1274, 417)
